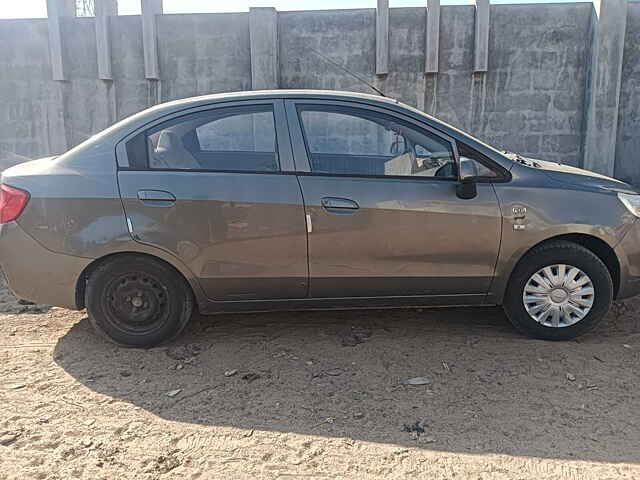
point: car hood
(579, 177)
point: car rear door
(382, 210)
(210, 187)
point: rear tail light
(12, 202)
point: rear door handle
(339, 205)
(156, 197)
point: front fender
(534, 211)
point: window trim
(300, 145)
(503, 175)
(212, 116)
(284, 154)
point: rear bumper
(35, 273)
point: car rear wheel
(137, 301)
(558, 291)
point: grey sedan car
(311, 199)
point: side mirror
(466, 188)
(468, 168)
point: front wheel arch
(547, 254)
(597, 246)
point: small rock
(309, 362)
(356, 336)
(626, 345)
(17, 386)
(173, 393)
(179, 366)
(334, 372)
(230, 373)
(150, 467)
(90, 422)
(8, 438)
(165, 464)
(125, 373)
(417, 428)
(471, 341)
(427, 439)
(86, 442)
(358, 415)
(417, 381)
(571, 377)
(250, 377)
(185, 353)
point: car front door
(209, 186)
(382, 212)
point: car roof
(267, 94)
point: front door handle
(156, 197)
(339, 205)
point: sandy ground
(319, 395)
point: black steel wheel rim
(137, 303)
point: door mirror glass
(468, 168)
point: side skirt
(212, 307)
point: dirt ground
(319, 395)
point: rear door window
(225, 139)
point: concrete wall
(627, 165)
(204, 53)
(31, 114)
(346, 37)
(531, 98)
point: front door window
(349, 141)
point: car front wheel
(138, 301)
(559, 290)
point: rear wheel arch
(81, 284)
(597, 246)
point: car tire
(138, 301)
(547, 261)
